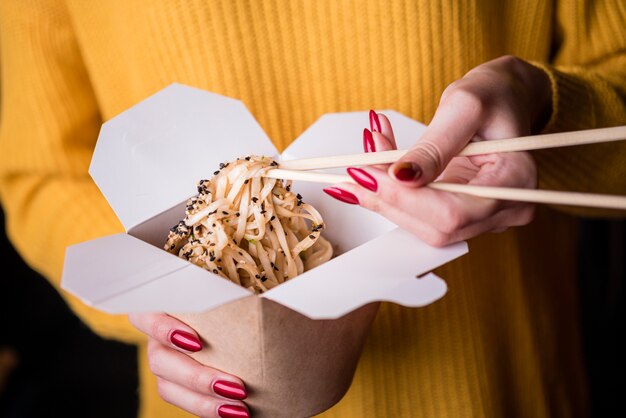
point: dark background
(53, 365)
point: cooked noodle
(250, 229)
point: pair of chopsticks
(297, 169)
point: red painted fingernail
(232, 411)
(407, 171)
(186, 341)
(363, 178)
(342, 195)
(374, 121)
(368, 141)
(230, 390)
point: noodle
(250, 229)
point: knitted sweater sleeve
(49, 124)
(588, 77)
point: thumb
(451, 129)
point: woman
(504, 341)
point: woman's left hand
(503, 98)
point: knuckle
(160, 331)
(508, 60)
(163, 390)
(430, 153)
(438, 239)
(468, 99)
(198, 381)
(372, 202)
(391, 197)
(155, 362)
(450, 88)
(157, 358)
(452, 219)
(205, 408)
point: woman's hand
(182, 381)
(503, 98)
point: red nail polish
(233, 411)
(374, 121)
(230, 390)
(407, 171)
(186, 341)
(342, 195)
(368, 141)
(363, 178)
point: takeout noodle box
(296, 346)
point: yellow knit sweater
(504, 341)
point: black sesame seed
(247, 158)
(237, 214)
(215, 173)
(255, 199)
(246, 181)
(224, 212)
(271, 227)
(215, 271)
(172, 246)
(273, 217)
(312, 236)
(263, 278)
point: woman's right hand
(182, 381)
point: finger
(455, 122)
(167, 330)
(511, 169)
(386, 130)
(374, 142)
(447, 212)
(518, 214)
(184, 371)
(197, 404)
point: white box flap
(121, 273)
(150, 157)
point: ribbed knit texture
(489, 348)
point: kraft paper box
(297, 346)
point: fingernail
(342, 195)
(363, 178)
(232, 411)
(407, 171)
(374, 121)
(186, 341)
(230, 390)
(368, 141)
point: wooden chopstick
(501, 193)
(526, 143)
